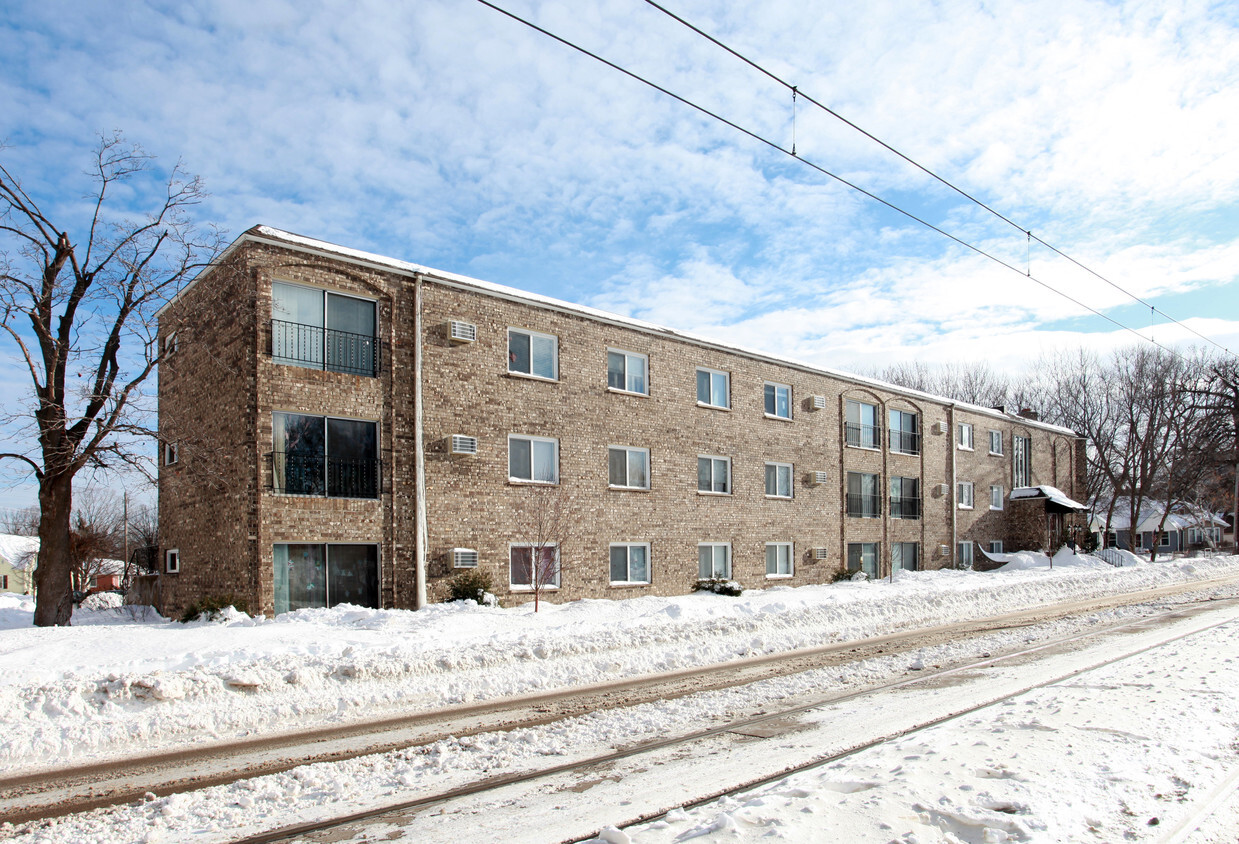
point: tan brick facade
(219, 391)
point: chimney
(1029, 413)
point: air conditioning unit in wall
(944, 550)
(821, 553)
(462, 332)
(941, 490)
(819, 402)
(820, 478)
(462, 444)
(464, 558)
(939, 427)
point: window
(629, 467)
(963, 551)
(964, 495)
(905, 498)
(170, 344)
(863, 556)
(995, 546)
(4, 582)
(714, 474)
(714, 560)
(713, 388)
(864, 497)
(905, 556)
(965, 436)
(1163, 539)
(172, 561)
(779, 559)
(995, 442)
(323, 575)
(1021, 460)
(995, 497)
(630, 562)
(317, 455)
(862, 424)
(533, 459)
(533, 565)
(627, 372)
(531, 353)
(905, 432)
(171, 453)
(321, 330)
(779, 480)
(778, 400)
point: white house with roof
(1184, 528)
(17, 561)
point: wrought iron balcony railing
(864, 506)
(905, 442)
(863, 436)
(324, 348)
(905, 508)
(308, 474)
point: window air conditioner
(941, 489)
(463, 332)
(939, 427)
(464, 558)
(819, 402)
(943, 550)
(462, 444)
(820, 478)
(821, 553)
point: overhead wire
(801, 158)
(1027, 232)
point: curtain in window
(350, 334)
(300, 577)
(297, 327)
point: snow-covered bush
(211, 608)
(472, 585)
(103, 601)
(718, 586)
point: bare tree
(1216, 396)
(80, 310)
(974, 383)
(544, 529)
(23, 521)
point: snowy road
(1078, 758)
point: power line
(800, 158)
(797, 92)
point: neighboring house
(340, 426)
(18, 555)
(1184, 528)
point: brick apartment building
(309, 392)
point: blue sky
(444, 133)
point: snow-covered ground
(115, 681)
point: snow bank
(117, 677)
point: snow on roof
(268, 234)
(1181, 516)
(18, 551)
(1052, 493)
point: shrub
(472, 585)
(840, 573)
(211, 606)
(718, 586)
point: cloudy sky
(445, 133)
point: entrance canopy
(1056, 501)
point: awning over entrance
(1056, 501)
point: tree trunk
(53, 577)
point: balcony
(905, 442)
(905, 508)
(863, 436)
(324, 348)
(864, 506)
(310, 474)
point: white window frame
(964, 438)
(964, 552)
(726, 388)
(896, 436)
(172, 561)
(996, 494)
(875, 428)
(777, 386)
(786, 549)
(529, 588)
(171, 453)
(649, 566)
(713, 546)
(532, 335)
(965, 495)
(170, 344)
(995, 437)
(628, 357)
(628, 450)
(1021, 460)
(712, 458)
(531, 440)
(791, 479)
(995, 546)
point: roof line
(277, 237)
